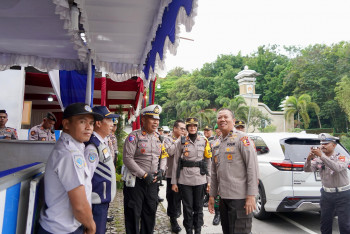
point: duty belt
(186, 163)
(338, 189)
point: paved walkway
(162, 220)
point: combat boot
(175, 227)
(217, 217)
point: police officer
(160, 131)
(217, 132)
(45, 130)
(173, 198)
(208, 133)
(234, 176)
(112, 141)
(67, 178)
(6, 132)
(191, 173)
(100, 162)
(335, 191)
(240, 125)
(143, 152)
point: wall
(12, 95)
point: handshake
(153, 178)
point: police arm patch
(341, 158)
(92, 156)
(78, 161)
(245, 141)
(131, 138)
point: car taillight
(287, 166)
(349, 166)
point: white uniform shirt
(66, 169)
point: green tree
(237, 105)
(300, 106)
(342, 91)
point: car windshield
(297, 150)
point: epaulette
(93, 140)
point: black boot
(197, 231)
(160, 199)
(217, 218)
(175, 227)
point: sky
(230, 26)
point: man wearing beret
(100, 162)
(240, 125)
(44, 131)
(335, 191)
(144, 156)
(6, 132)
(67, 177)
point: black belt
(186, 163)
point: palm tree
(301, 106)
(237, 105)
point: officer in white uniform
(67, 178)
(335, 191)
(100, 162)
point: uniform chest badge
(79, 162)
(143, 150)
(186, 149)
(143, 145)
(186, 143)
(32, 133)
(229, 156)
(217, 143)
(186, 154)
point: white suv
(283, 185)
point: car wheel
(260, 212)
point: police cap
(3, 112)
(208, 128)
(152, 111)
(51, 116)
(239, 123)
(160, 129)
(80, 109)
(191, 121)
(103, 110)
(326, 138)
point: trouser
(338, 202)
(80, 230)
(192, 202)
(140, 202)
(233, 216)
(174, 201)
(100, 212)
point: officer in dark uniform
(100, 162)
(173, 198)
(144, 156)
(44, 131)
(6, 132)
(335, 191)
(240, 125)
(191, 175)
